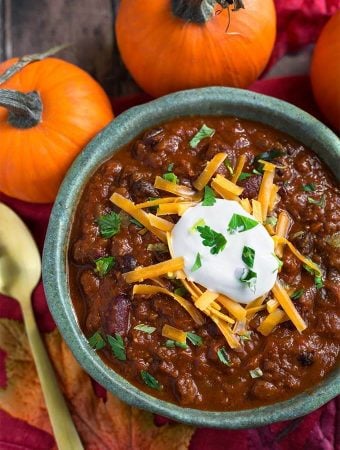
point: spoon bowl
(20, 270)
(20, 263)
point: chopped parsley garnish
(318, 282)
(249, 278)
(269, 155)
(97, 341)
(145, 328)
(197, 264)
(244, 176)
(310, 187)
(321, 202)
(223, 356)
(159, 247)
(228, 166)
(109, 224)
(172, 344)
(248, 256)
(117, 345)
(199, 223)
(135, 222)
(194, 338)
(256, 373)
(297, 294)
(150, 381)
(240, 223)
(104, 265)
(279, 263)
(181, 291)
(170, 167)
(209, 197)
(171, 177)
(317, 276)
(204, 132)
(212, 239)
(271, 220)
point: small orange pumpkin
(169, 45)
(49, 111)
(325, 71)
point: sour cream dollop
(222, 272)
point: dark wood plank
(85, 24)
(28, 26)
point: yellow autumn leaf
(110, 425)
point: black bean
(305, 358)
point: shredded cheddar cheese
(165, 209)
(142, 273)
(205, 300)
(266, 189)
(240, 164)
(177, 189)
(209, 171)
(158, 201)
(257, 210)
(288, 306)
(271, 321)
(232, 307)
(245, 203)
(174, 334)
(129, 207)
(282, 229)
(161, 224)
(145, 289)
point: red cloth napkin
(316, 431)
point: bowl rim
(213, 101)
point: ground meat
(195, 376)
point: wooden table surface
(30, 26)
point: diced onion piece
(174, 208)
(272, 305)
(222, 316)
(161, 224)
(287, 305)
(158, 201)
(257, 210)
(209, 170)
(174, 334)
(228, 185)
(129, 207)
(295, 251)
(265, 191)
(155, 270)
(205, 300)
(283, 225)
(145, 289)
(271, 321)
(245, 203)
(240, 164)
(173, 188)
(226, 331)
(273, 197)
(251, 311)
(233, 307)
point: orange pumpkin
(325, 71)
(169, 45)
(49, 111)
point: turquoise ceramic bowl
(208, 101)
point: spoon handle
(64, 430)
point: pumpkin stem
(200, 11)
(24, 110)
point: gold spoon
(20, 269)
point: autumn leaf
(110, 425)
